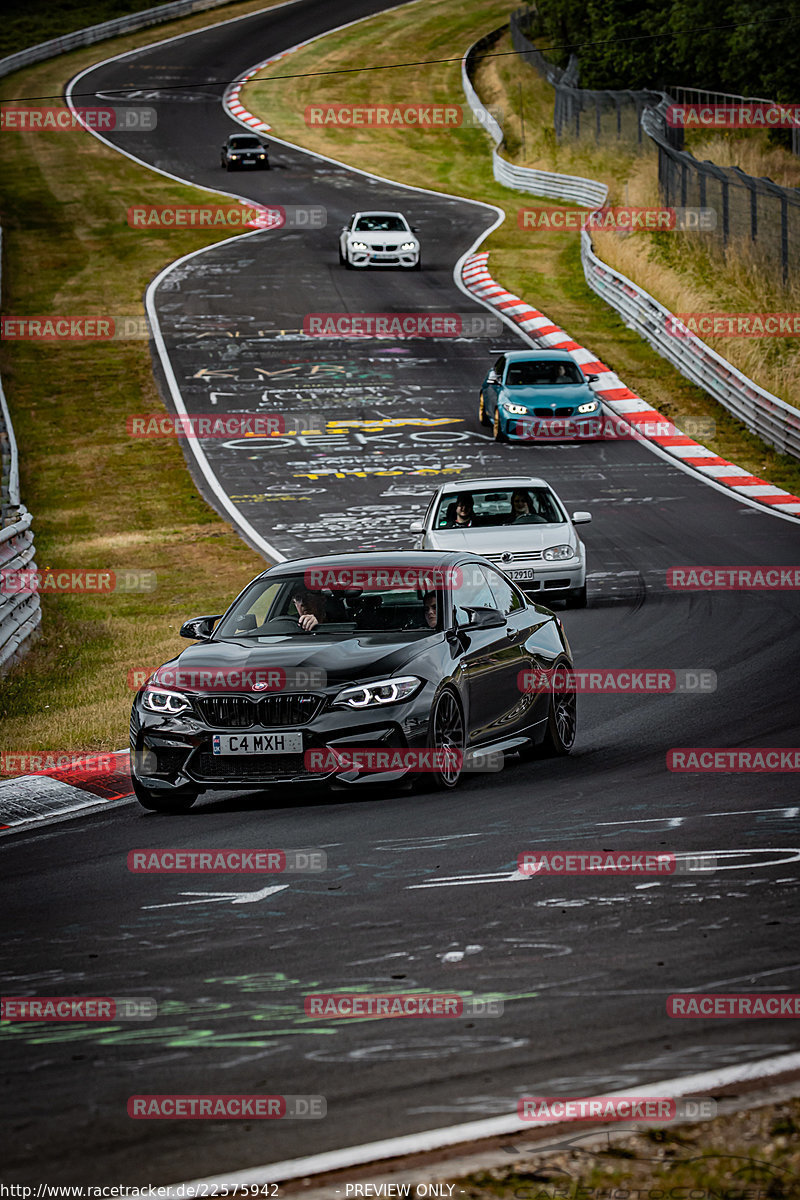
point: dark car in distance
(321, 661)
(242, 150)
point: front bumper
(176, 753)
(383, 258)
(531, 428)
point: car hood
(563, 394)
(343, 659)
(494, 539)
(380, 237)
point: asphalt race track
(418, 893)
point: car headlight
(169, 704)
(558, 553)
(262, 156)
(234, 155)
(519, 410)
(359, 246)
(385, 691)
(590, 407)
(409, 246)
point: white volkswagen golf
(379, 239)
(518, 523)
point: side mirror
(493, 377)
(199, 627)
(413, 228)
(416, 527)
(484, 618)
(592, 378)
(581, 518)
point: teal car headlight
(591, 406)
(517, 410)
(559, 553)
(384, 691)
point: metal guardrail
(575, 188)
(687, 95)
(20, 615)
(107, 29)
(775, 421)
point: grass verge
(753, 1154)
(99, 498)
(543, 269)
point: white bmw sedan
(379, 239)
(518, 523)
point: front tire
(576, 598)
(174, 802)
(448, 736)
(497, 428)
(482, 417)
(562, 726)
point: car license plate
(528, 573)
(258, 743)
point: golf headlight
(234, 156)
(558, 553)
(385, 691)
(409, 246)
(590, 407)
(169, 704)
(519, 410)
(359, 246)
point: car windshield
(533, 373)
(244, 143)
(500, 506)
(381, 223)
(345, 601)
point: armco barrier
(775, 421)
(771, 418)
(20, 614)
(575, 188)
(107, 29)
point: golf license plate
(524, 573)
(258, 743)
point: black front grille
(551, 412)
(240, 712)
(260, 768)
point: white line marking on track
(704, 1083)
(221, 897)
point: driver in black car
(310, 608)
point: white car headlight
(409, 246)
(558, 553)
(519, 410)
(169, 704)
(385, 691)
(359, 246)
(590, 407)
